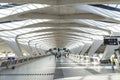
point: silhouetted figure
(59, 55)
(13, 67)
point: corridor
(86, 33)
(59, 69)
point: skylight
(19, 9)
(8, 5)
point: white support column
(85, 48)
(32, 49)
(80, 49)
(37, 49)
(40, 52)
(14, 45)
(72, 51)
(28, 50)
(95, 45)
(109, 50)
(76, 50)
(77, 57)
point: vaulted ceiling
(57, 23)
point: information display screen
(11, 58)
(110, 41)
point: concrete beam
(56, 30)
(47, 34)
(61, 2)
(59, 25)
(70, 24)
(30, 1)
(39, 15)
(58, 39)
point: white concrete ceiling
(60, 17)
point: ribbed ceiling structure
(46, 24)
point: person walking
(112, 61)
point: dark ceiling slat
(106, 7)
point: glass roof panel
(8, 5)
(97, 23)
(19, 9)
(21, 31)
(96, 9)
(116, 6)
(103, 25)
(18, 24)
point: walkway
(37, 70)
(67, 69)
(64, 69)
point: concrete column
(72, 51)
(75, 50)
(28, 49)
(37, 49)
(41, 52)
(95, 45)
(14, 45)
(80, 49)
(109, 50)
(32, 48)
(85, 48)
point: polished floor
(50, 68)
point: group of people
(59, 55)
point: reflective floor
(49, 68)
(36, 70)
